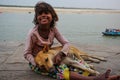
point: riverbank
(15, 67)
(64, 10)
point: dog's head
(44, 58)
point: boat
(111, 32)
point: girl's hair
(45, 7)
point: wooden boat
(112, 32)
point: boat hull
(111, 33)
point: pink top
(35, 42)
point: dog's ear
(46, 48)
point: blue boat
(111, 32)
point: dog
(45, 59)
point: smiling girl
(44, 33)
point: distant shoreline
(64, 10)
(57, 7)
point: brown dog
(45, 58)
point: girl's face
(44, 18)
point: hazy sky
(106, 4)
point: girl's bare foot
(106, 76)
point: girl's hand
(58, 58)
(30, 58)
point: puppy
(45, 59)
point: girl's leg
(76, 76)
(114, 77)
(105, 76)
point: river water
(77, 28)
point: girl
(43, 33)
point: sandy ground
(15, 67)
(91, 11)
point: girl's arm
(65, 43)
(28, 48)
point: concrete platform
(13, 66)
